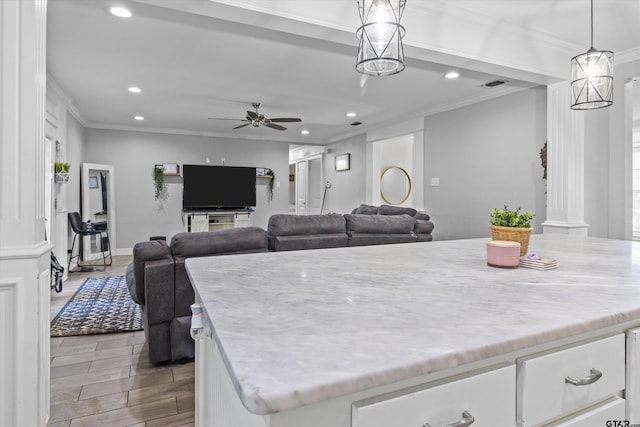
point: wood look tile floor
(107, 380)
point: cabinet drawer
(543, 392)
(488, 397)
(609, 411)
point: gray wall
(75, 157)
(486, 156)
(134, 154)
(348, 188)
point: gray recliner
(158, 282)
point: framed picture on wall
(343, 162)
(93, 182)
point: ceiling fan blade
(241, 126)
(285, 120)
(274, 126)
(252, 115)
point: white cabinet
(480, 399)
(215, 221)
(559, 383)
(632, 393)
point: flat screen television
(218, 187)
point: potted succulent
(61, 175)
(512, 225)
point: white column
(565, 164)
(24, 252)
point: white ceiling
(196, 59)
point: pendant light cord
(591, 24)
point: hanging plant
(543, 159)
(158, 181)
(272, 178)
(61, 175)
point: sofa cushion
(379, 224)
(366, 210)
(317, 241)
(305, 225)
(422, 215)
(396, 210)
(367, 239)
(423, 226)
(235, 240)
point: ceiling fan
(256, 119)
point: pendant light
(592, 77)
(380, 51)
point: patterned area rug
(101, 305)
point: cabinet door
(545, 391)
(487, 397)
(632, 393)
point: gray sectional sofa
(366, 225)
(158, 281)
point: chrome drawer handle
(467, 420)
(594, 376)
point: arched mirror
(395, 185)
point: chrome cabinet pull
(594, 375)
(467, 420)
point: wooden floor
(107, 380)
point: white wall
(134, 155)
(486, 156)
(613, 203)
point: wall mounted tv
(218, 187)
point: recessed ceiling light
(120, 12)
(351, 114)
(134, 89)
(452, 75)
(305, 132)
(140, 118)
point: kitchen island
(336, 337)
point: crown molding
(172, 131)
(629, 55)
(65, 100)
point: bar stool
(83, 229)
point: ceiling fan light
(380, 50)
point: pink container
(502, 253)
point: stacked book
(538, 263)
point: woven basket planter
(512, 234)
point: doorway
(308, 185)
(98, 205)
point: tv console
(215, 220)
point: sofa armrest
(159, 291)
(144, 252)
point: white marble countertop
(300, 327)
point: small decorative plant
(61, 174)
(158, 181)
(272, 178)
(513, 226)
(62, 167)
(508, 218)
(543, 160)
